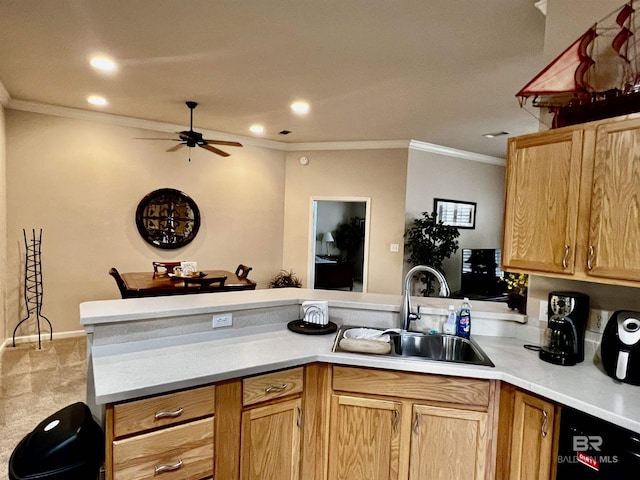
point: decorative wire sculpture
(33, 284)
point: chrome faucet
(406, 315)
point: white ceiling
(436, 71)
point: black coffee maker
(564, 337)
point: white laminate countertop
(157, 365)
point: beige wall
(81, 181)
(378, 174)
(431, 175)
(3, 227)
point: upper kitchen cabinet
(542, 188)
(614, 229)
(573, 202)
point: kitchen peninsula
(150, 347)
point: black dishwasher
(590, 448)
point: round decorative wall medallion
(167, 218)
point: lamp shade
(327, 237)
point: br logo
(582, 443)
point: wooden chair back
(243, 271)
(124, 293)
(210, 284)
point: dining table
(150, 284)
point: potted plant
(284, 279)
(348, 237)
(517, 284)
(429, 242)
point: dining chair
(243, 271)
(211, 284)
(120, 283)
(162, 268)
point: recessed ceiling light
(300, 108)
(104, 64)
(259, 129)
(495, 134)
(97, 100)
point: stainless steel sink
(439, 347)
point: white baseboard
(44, 337)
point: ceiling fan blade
(175, 148)
(222, 142)
(215, 150)
(151, 138)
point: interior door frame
(311, 271)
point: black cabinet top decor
(167, 218)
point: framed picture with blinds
(455, 212)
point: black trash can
(68, 445)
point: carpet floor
(36, 383)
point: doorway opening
(339, 243)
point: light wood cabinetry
(395, 425)
(170, 434)
(541, 211)
(272, 426)
(572, 202)
(528, 436)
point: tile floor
(35, 384)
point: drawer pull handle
(169, 414)
(169, 468)
(396, 420)
(545, 417)
(276, 388)
(416, 424)
(590, 258)
(566, 256)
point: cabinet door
(614, 236)
(364, 438)
(532, 438)
(448, 443)
(541, 203)
(270, 445)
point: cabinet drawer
(272, 385)
(180, 452)
(140, 415)
(439, 388)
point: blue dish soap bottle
(464, 319)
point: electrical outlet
(598, 320)
(222, 320)
(394, 248)
(544, 310)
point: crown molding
(88, 115)
(4, 95)
(454, 152)
(355, 145)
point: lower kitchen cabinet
(270, 445)
(364, 438)
(389, 425)
(170, 435)
(528, 436)
(448, 443)
(272, 417)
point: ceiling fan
(192, 139)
